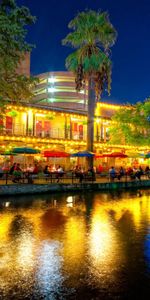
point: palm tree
(92, 35)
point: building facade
(56, 118)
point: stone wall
(47, 188)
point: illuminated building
(56, 118)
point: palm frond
(93, 35)
(74, 39)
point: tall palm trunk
(90, 120)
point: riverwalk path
(42, 185)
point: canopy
(98, 155)
(147, 155)
(144, 155)
(8, 153)
(25, 150)
(48, 153)
(83, 154)
(117, 154)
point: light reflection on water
(92, 246)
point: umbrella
(25, 150)
(117, 154)
(83, 154)
(8, 153)
(147, 155)
(48, 153)
(98, 155)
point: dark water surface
(87, 246)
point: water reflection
(103, 246)
(49, 277)
(92, 246)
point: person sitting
(147, 171)
(17, 173)
(139, 173)
(112, 173)
(79, 173)
(92, 173)
(1, 172)
(28, 173)
(46, 170)
(35, 172)
(121, 173)
(60, 173)
(131, 173)
(12, 168)
(35, 169)
(30, 168)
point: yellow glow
(25, 253)
(69, 199)
(102, 236)
(74, 243)
(30, 112)
(133, 206)
(100, 233)
(40, 115)
(5, 222)
(24, 118)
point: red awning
(113, 154)
(117, 154)
(98, 155)
(48, 153)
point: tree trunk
(90, 120)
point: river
(75, 246)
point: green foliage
(16, 88)
(92, 36)
(13, 22)
(91, 27)
(13, 113)
(84, 122)
(49, 117)
(132, 124)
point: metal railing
(66, 177)
(55, 133)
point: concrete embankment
(21, 189)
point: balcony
(54, 134)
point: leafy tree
(131, 125)
(13, 22)
(92, 35)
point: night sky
(130, 55)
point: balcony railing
(56, 133)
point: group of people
(30, 172)
(83, 174)
(17, 172)
(133, 172)
(59, 172)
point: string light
(74, 117)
